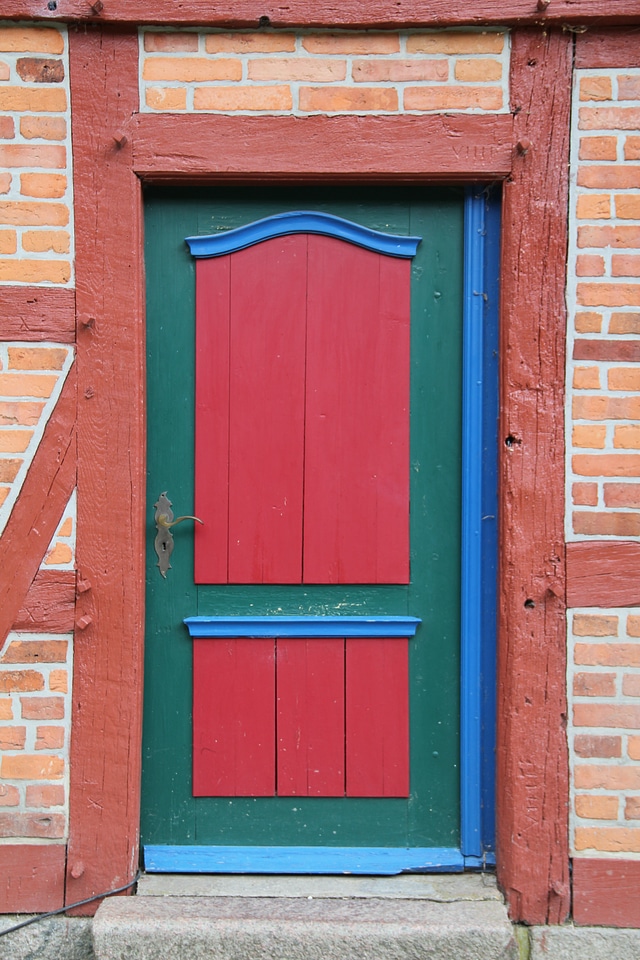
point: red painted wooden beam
(31, 877)
(608, 49)
(107, 687)
(532, 764)
(318, 13)
(606, 892)
(50, 603)
(169, 148)
(38, 313)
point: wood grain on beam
(169, 149)
(319, 13)
(50, 603)
(107, 685)
(608, 49)
(603, 574)
(38, 313)
(532, 764)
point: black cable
(70, 906)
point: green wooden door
(429, 818)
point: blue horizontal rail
(302, 627)
(302, 221)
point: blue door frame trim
(302, 627)
(478, 612)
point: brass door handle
(164, 538)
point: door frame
(115, 150)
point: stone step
(337, 926)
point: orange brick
(6, 709)
(605, 777)
(607, 524)
(250, 42)
(7, 128)
(609, 294)
(611, 177)
(49, 826)
(49, 738)
(633, 749)
(37, 358)
(632, 148)
(28, 214)
(60, 553)
(633, 626)
(453, 98)
(191, 69)
(256, 98)
(8, 241)
(4, 493)
(589, 436)
(15, 441)
(380, 71)
(42, 708)
(627, 437)
(625, 265)
(606, 715)
(43, 128)
(589, 265)
(170, 42)
(627, 206)
(42, 241)
(66, 528)
(58, 681)
(631, 685)
(455, 43)
(596, 88)
(347, 99)
(478, 71)
(352, 43)
(22, 39)
(624, 378)
(606, 408)
(608, 237)
(9, 796)
(12, 738)
(45, 795)
(607, 839)
(36, 651)
(632, 808)
(594, 625)
(598, 148)
(292, 68)
(593, 206)
(596, 808)
(32, 155)
(12, 681)
(621, 495)
(586, 378)
(594, 685)
(48, 185)
(609, 118)
(584, 494)
(28, 100)
(588, 322)
(21, 413)
(5, 182)
(607, 465)
(27, 767)
(624, 323)
(607, 654)
(629, 88)
(589, 745)
(166, 98)
(35, 271)
(8, 472)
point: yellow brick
(26, 384)
(166, 98)
(586, 378)
(59, 554)
(21, 39)
(589, 436)
(58, 681)
(8, 241)
(478, 71)
(28, 100)
(191, 69)
(47, 185)
(43, 241)
(25, 213)
(250, 42)
(66, 528)
(15, 441)
(35, 271)
(37, 358)
(455, 43)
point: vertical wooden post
(107, 690)
(532, 777)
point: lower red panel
(32, 878)
(377, 695)
(234, 718)
(606, 892)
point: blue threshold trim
(302, 627)
(372, 861)
(302, 221)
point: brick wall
(275, 72)
(36, 206)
